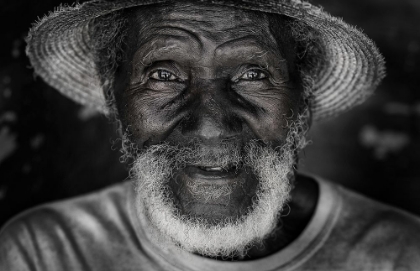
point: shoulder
(60, 227)
(97, 205)
(378, 233)
(377, 217)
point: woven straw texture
(60, 51)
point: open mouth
(212, 169)
(212, 172)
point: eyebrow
(249, 41)
(256, 50)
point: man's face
(207, 81)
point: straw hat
(60, 52)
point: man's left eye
(253, 75)
(163, 75)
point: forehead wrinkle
(161, 44)
(177, 32)
(209, 18)
(199, 30)
(256, 48)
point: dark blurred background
(52, 148)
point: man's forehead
(209, 15)
(216, 22)
(249, 47)
(192, 23)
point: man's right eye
(163, 75)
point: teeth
(212, 168)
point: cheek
(275, 122)
(273, 117)
(133, 121)
(148, 118)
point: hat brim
(60, 51)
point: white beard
(274, 169)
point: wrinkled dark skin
(212, 74)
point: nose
(212, 119)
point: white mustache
(225, 156)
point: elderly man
(213, 99)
